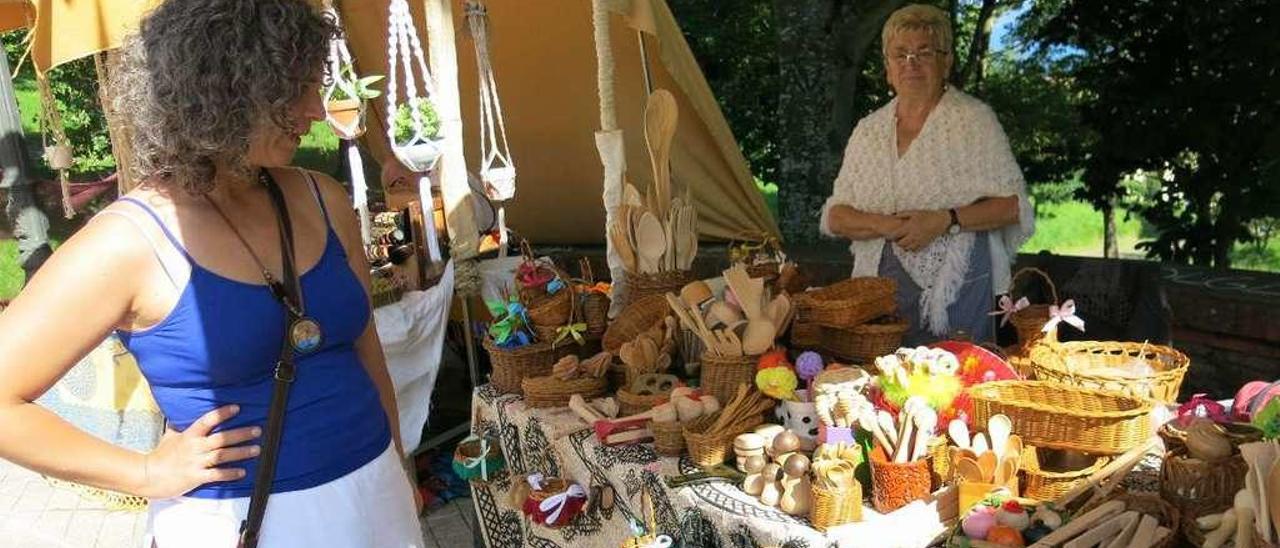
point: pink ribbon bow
(555, 504)
(1008, 307)
(1067, 313)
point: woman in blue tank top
(220, 93)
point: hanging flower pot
(345, 117)
(58, 157)
(417, 130)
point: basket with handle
(1029, 322)
(595, 305)
(1099, 365)
(848, 303)
(533, 296)
(1060, 416)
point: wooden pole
(452, 169)
(30, 223)
(118, 129)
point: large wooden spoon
(660, 116)
(987, 464)
(651, 242)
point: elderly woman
(929, 192)
(222, 261)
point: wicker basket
(1193, 485)
(832, 508)
(639, 316)
(805, 335)
(512, 365)
(551, 310)
(640, 286)
(1238, 433)
(721, 375)
(894, 485)
(1051, 485)
(848, 303)
(630, 404)
(1077, 363)
(468, 465)
(549, 391)
(1059, 416)
(595, 305)
(940, 462)
(1029, 322)
(668, 438)
(552, 487)
(710, 449)
(1151, 504)
(866, 342)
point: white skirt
(370, 507)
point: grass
(1075, 228)
(11, 275)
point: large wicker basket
(1150, 504)
(1051, 485)
(848, 303)
(1059, 416)
(549, 391)
(864, 343)
(709, 449)
(805, 335)
(639, 316)
(512, 365)
(1078, 363)
(1029, 322)
(640, 286)
(721, 375)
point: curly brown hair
(200, 77)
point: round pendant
(305, 335)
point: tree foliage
(1189, 91)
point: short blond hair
(918, 17)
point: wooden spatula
(987, 464)
(660, 116)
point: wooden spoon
(622, 245)
(758, 337)
(959, 432)
(980, 444)
(968, 469)
(660, 116)
(1004, 471)
(987, 464)
(631, 196)
(651, 242)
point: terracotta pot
(896, 485)
(345, 118)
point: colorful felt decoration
(777, 382)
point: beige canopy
(544, 58)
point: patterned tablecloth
(556, 443)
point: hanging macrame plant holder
(345, 116)
(420, 150)
(497, 171)
(57, 155)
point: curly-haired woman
(185, 270)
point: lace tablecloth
(555, 443)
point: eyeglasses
(922, 56)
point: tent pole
(644, 63)
(609, 144)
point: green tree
(1189, 91)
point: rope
(604, 72)
(500, 181)
(51, 124)
(339, 57)
(404, 47)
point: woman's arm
(70, 305)
(849, 222)
(921, 227)
(368, 347)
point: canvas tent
(545, 60)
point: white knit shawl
(960, 156)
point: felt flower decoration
(777, 382)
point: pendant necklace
(304, 333)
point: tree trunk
(972, 66)
(815, 102)
(30, 224)
(1110, 247)
(118, 129)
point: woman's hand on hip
(185, 460)
(919, 228)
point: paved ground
(36, 514)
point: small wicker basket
(721, 375)
(1050, 485)
(832, 508)
(668, 438)
(640, 286)
(549, 391)
(630, 404)
(552, 310)
(864, 343)
(1059, 416)
(639, 316)
(512, 365)
(550, 488)
(1080, 364)
(708, 449)
(1029, 322)
(1193, 485)
(848, 303)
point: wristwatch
(954, 227)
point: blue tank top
(219, 344)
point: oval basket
(638, 317)
(549, 391)
(864, 343)
(512, 366)
(1050, 485)
(1079, 363)
(848, 303)
(1059, 416)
